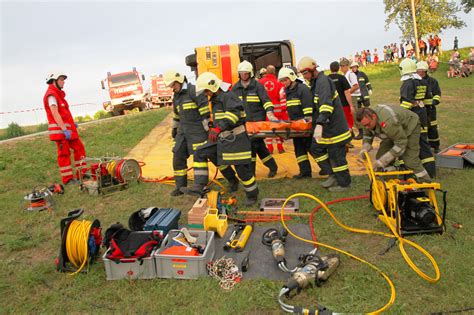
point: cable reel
(80, 243)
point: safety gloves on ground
(366, 147)
(318, 132)
(271, 117)
(67, 134)
(214, 134)
(174, 132)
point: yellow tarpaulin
(155, 151)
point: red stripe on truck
(226, 64)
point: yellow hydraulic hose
(77, 244)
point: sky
(86, 39)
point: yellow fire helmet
(287, 73)
(171, 76)
(422, 65)
(245, 66)
(407, 66)
(208, 81)
(307, 63)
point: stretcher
(283, 129)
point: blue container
(165, 219)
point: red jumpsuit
(57, 135)
(276, 91)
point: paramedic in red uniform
(276, 91)
(62, 129)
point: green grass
(30, 241)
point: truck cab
(160, 94)
(126, 92)
(223, 59)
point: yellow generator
(223, 59)
(408, 206)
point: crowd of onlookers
(429, 49)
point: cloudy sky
(88, 39)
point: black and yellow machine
(408, 206)
(222, 60)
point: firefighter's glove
(435, 102)
(370, 92)
(174, 132)
(384, 160)
(318, 132)
(67, 134)
(271, 117)
(366, 147)
(214, 134)
(205, 124)
(308, 119)
(75, 124)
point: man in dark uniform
(331, 132)
(365, 90)
(299, 104)
(190, 124)
(431, 104)
(258, 107)
(412, 93)
(228, 143)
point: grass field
(30, 241)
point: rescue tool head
(407, 66)
(55, 76)
(208, 81)
(245, 67)
(172, 76)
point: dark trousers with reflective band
(359, 100)
(426, 156)
(201, 171)
(433, 135)
(331, 158)
(259, 148)
(301, 146)
(180, 165)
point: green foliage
(432, 16)
(79, 119)
(101, 114)
(41, 127)
(14, 130)
(467, 5)
(87, 118)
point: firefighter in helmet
(258, 107)
(228, 144)
(190, 124)
(331, 132)
(299, 105)
(62, 129)
(412, 93)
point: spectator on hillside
(432, 43)
(369, 56)
(432, 62)
(456, 43)
(437, 43)
(376, 56)
(422, 46)
(471, 59)
(402, 51)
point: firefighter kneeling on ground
(190, 124)
(258, 107)
(62, 129)
(331, 131)
(399, 130)
(228, 143)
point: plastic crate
(165, 219)
(185, 267)
(130, 268)
(457, 162)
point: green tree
(101, 114)
(432, 16)
(87, 118)
(14, 130)
(467, 5)
(79, 119)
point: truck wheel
(117, 112)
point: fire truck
(223, 59)
(159, 95)
(126, 92)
